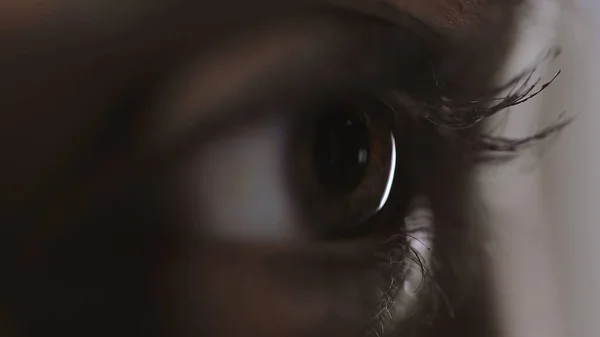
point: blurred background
(546, 206)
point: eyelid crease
(451, 18)
(395, 15)
(442, 14)
(459, 18)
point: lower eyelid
(327, 283)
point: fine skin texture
(92, 93)
(456, 15)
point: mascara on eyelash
(450, 112)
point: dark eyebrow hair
(457, 19)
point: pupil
(341, 151)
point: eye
(318, 158)
(343, 163)
(322, 172)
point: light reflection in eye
(390, 180)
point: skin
(65, 68)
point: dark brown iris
(341, 151)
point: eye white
(239, 185)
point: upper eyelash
(457, 115)
(492, 148)
(451, 115)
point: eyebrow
(454, 18)
(444, 14)
(461, 20)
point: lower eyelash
(405, 260)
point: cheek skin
(269, 291)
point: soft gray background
(545, 208)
